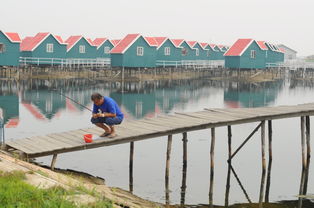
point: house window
(49, 48)
(197, 52)
(253, 54)
(2, 48)
(266, 54)
(82, 49)
(167, 51)
(208, 53)
(140, 51)
(107, 50)
(184, 52)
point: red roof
(58, 37)
(31, 43)
(177, 42)
(204, 45)
(262, 45)
(191, 43)
(72, 40)
(125, 43)
(25, 42)
(282, 50)
(239, 47)
(115, 42)
(160, 40)
(13, 37)
(90, 41)
(151, 41)
(99, 41)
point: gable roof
(284, 46)
(204, 45)
(13, 37)
(262, 45)
(58, 37)
(115, 42)
(128, 40)
(282, 50)
(191, 43)
(125, 43)
(177, 42)
(160, 41)
(31, 43)
(151, 41)
(100, 41)
(239, 47)
(73, 40)
(212, 46)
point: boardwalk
(70, 141)
(128, 132)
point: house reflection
(249, 95)
(9, 103)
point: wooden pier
(131, 131)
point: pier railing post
(261, 195)
(131, 167)
(184, 169)
(308, 151)
(229, 167)
(167, 168)
(212, 151)
(270, 159)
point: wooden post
(229, 168)
(302, 182)
(211, 186)
(167, 168)
(261, 194)
(184, 169)
(270, 159)
(53, 162)
(131, 167)
(308, 151)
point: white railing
(64, 62)
(191, 63)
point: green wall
(175, 53)
(10, 57)
(100, 53)
(130, 58)
(90, 51)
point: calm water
(32, 108)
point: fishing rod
(72, 100)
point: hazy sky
(215, 21)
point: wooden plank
(30, 145)
(19, 146)
(66, 138)
(41, 144)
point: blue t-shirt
(109, 106)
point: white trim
(140, 51)
(167, 51)
(107, 52)
(45, 39)
(78, 41)
(49, 48)
(10, 38)
(82, 49)
(104, 43)
(253, 54)
(179, 46)
(135, 39)
(247, 46)
(3, 48)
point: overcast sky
(215, 21)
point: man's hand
(95, 115)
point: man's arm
(107, 115)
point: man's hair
(96, 96)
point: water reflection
(148, 99)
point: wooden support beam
(131, 167)
(240, 184)
(229, 167)
(261, 194)
(184, 169)
(270, 160)
(212, 165)
(168, 169)
(308, 151)
(53, 162)
(304, 163)
(245, 141)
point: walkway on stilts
(129, 131)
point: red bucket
(88, 138)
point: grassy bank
(15, 192)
